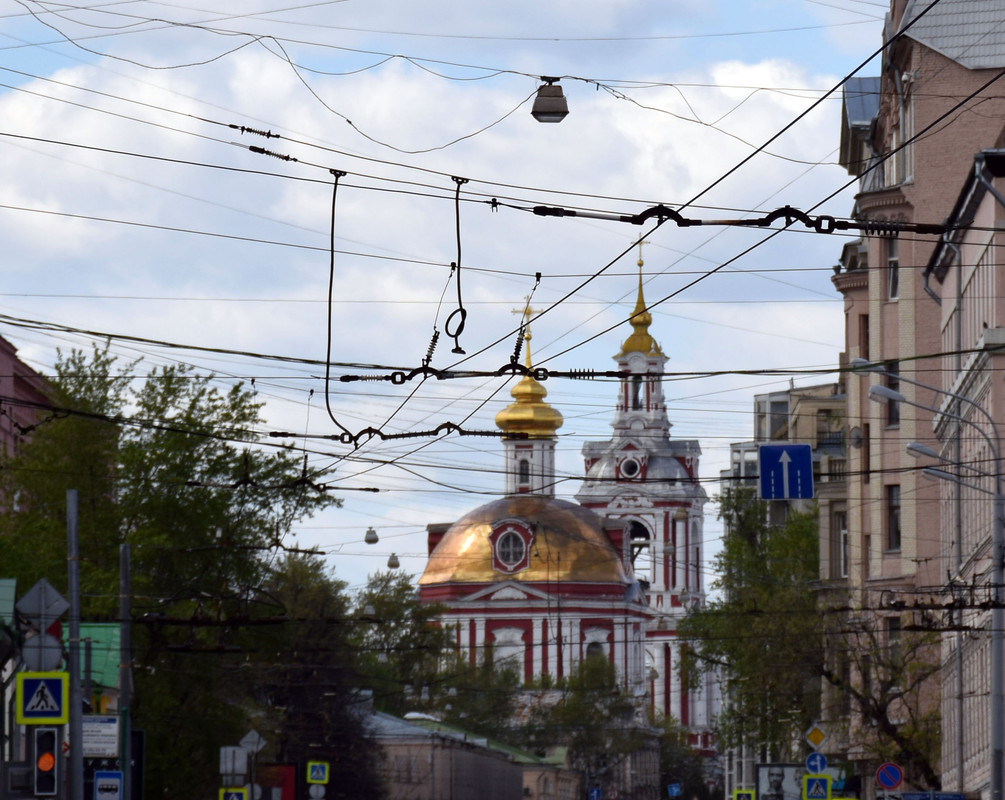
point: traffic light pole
(75, 774)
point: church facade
(541, 582)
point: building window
(524, 472)
(893, 382)
(636, 392)
(863, 336)
(511, 549)
(839, 545)
(892, 270)
(893, 516)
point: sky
(134, 208)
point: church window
(511, 548)
(511, 543)
(630, 468)
(524, 471)
(636, 392)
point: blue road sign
(786, 471)
(816, 763)
(596, 793)
(816, 787)
(673, 790)
(43, 698)
(889, 776)
(108, 785)
(930, 795)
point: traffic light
(46, 766)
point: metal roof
(861, 101)
(970, 32)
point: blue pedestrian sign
(596, 793)
(317, 772)
(43, 698)
(673, 790)
(816, 763)
(816, 787)
(786, 471)
(236, 793)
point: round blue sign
(889, 775)
(816, 763)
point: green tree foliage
(791, 652)
(764, 629)
(303, 678)
(680, 763)
(594, 720)
(169, 463)
(401, 644)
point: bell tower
(529, 424)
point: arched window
(524, 468)
(636, 392)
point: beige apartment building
(966, 275)
(910, 135)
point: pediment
(508, 590)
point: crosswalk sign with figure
(43, 698)
(317, 772)
(816, 787)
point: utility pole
(76, 710)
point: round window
(630, 468)
(511, 548)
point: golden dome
(529, 415)
(640, 340)
(569, 545)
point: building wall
(919, 86)
(23, 393)
(966, 273)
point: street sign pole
(76, 771)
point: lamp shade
(550, 104)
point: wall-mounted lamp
(371, 536)
(393, 562)
(550, 104)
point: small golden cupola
(529, 424)
(530, 415)
(641, 341)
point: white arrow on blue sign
(786, 471)
(816, 763)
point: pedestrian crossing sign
(237, 793)
(816, 787)
(43, 698)
(317, 772)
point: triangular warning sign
(816, 789)
(42, 700)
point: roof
(569, 545)
(970, 32)
(861, 101)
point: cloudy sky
(132, 206)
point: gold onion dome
(641, 341)
(569, 545)
(529, 415)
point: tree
(401, 643)
(784, 647)
(170, 464)
(304, 678)
(594, 720)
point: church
(542, 582)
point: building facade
(540, 583)
(908, 135)
(966, 276)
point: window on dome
(511, 549)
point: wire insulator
(583, 374)
(431, 348)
